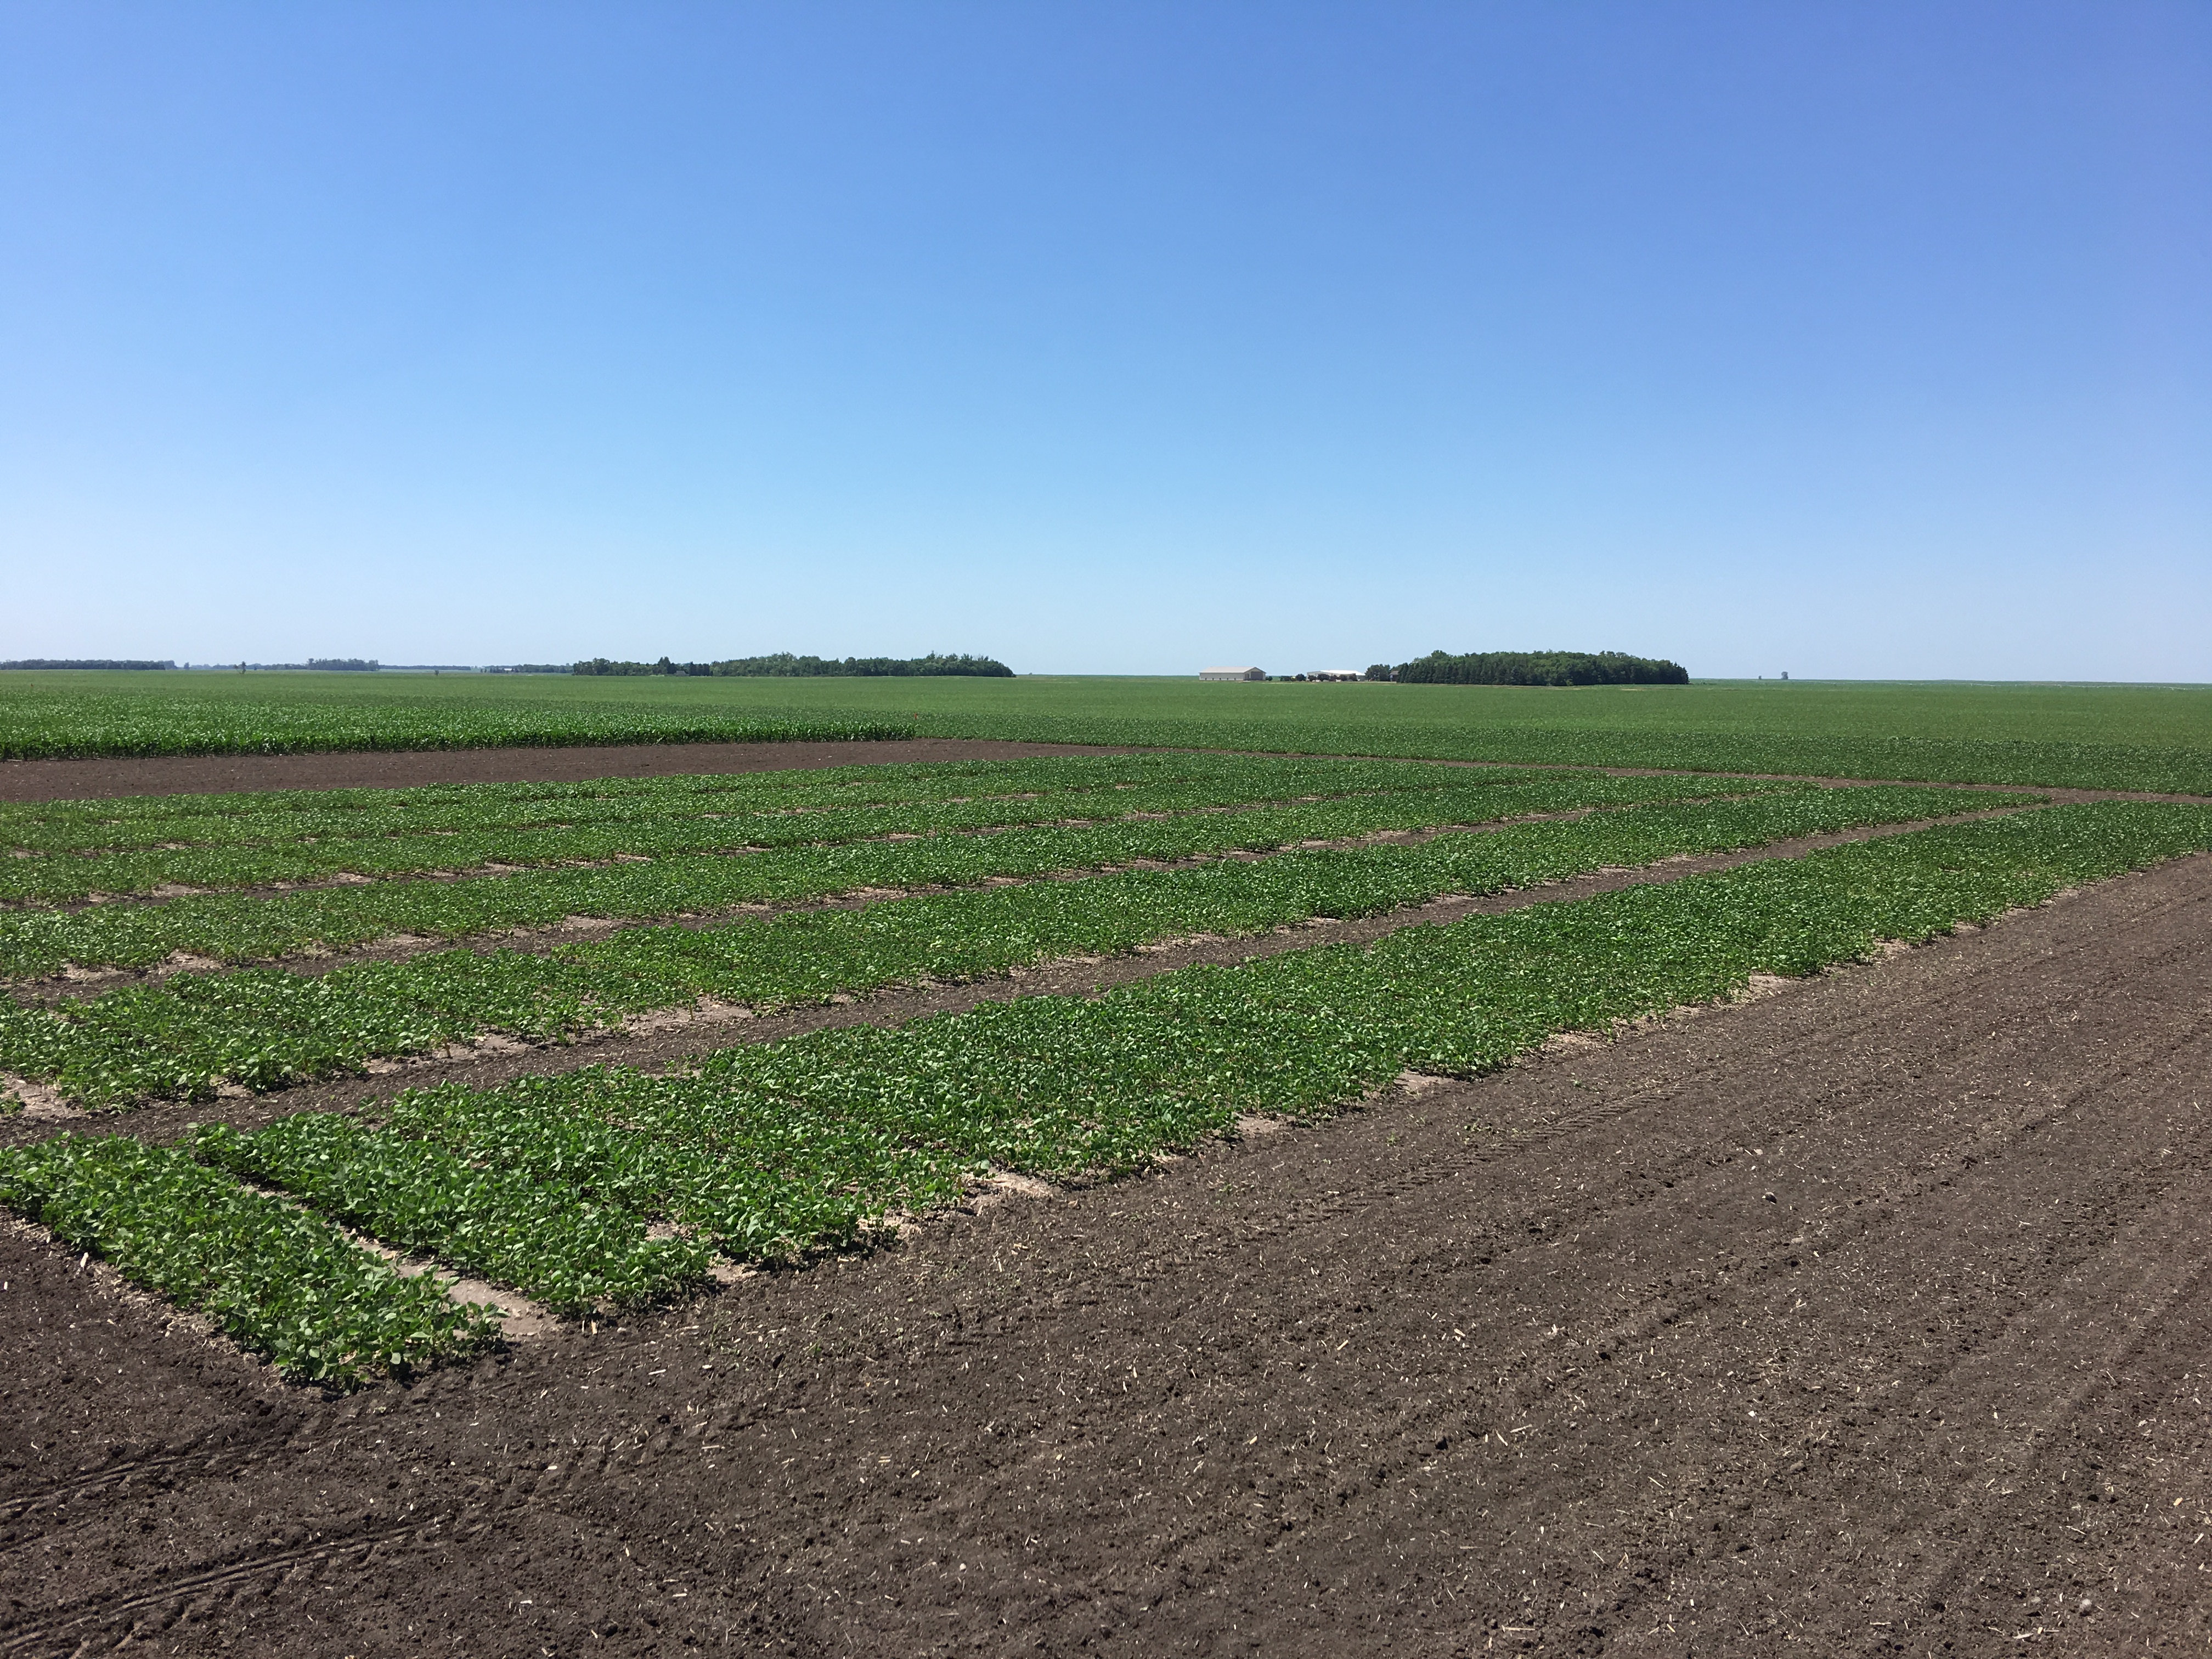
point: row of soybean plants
(281, 1282)
(280, 817)
(234, 927)
(211, 852)
(558, 1187)
(271, 1028)
(2112, 738)
(58, 720)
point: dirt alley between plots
(1872, 1312)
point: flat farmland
(1198, 1197)
(2091, 737)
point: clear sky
(1852, 339)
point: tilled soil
(1870, 1313)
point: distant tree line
(1533, 668)
(344, 665)
(783, 664)
(82, 662)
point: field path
(1871, 1312)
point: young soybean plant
(278, 1281)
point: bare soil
(1868, 1314)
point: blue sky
(1857, 340)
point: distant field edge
(2042, 736)
(1893, 760)
(2177, 771)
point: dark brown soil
(1870, 1316)
(193, 775)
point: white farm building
(1232, 673)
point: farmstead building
(1232, 673)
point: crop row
(53, 878)
(39, 723)
(476, 1216)
(765, 1150)
(234, 927)
(141, 823)
(1891, 737)
(267, 1028)
(282, 1283)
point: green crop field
(606, 1188)
(194, 948)
(268, 1028)
(2155, 738)
(53, 715)
(73, 851)
(38, 936)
